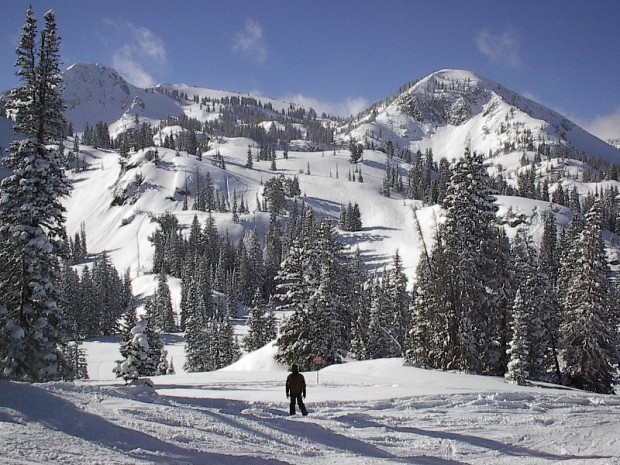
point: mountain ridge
(478, 112)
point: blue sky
(339, 56)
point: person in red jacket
(296, 389)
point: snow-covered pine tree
(273, 254)
(256, 264)
(154, 353)
(136, 362)
(589, 328)
(163, 367)
(163, 313)
(470, 242)
(360, 304)
(381, 343)
(108, 291)
(400, 300)
(458, 294)
(262, 327)
(199, 313)
(195, 243)
(390, 314)
(75, 355)
(312, 283)
(224, 347)
(32, 232)
(69, 286)
(518, 366)
(419, 351)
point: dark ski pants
(297, 398)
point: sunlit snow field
(373, 412)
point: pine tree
(75, 356)
(198, 325)
(32, 232)
(360, 302)
(273, 253)
(108, 291)
(261, 325)
(588, 330)
(224, 346)
(390, 314)
(137, 361)
(381, 341)
(163, 311)
(518, 366)
(312, 282)
(462, 320)
(250, 161)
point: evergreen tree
(163, 313)
(518, 366)
(463, 321)
(250, 161)
(381, 341)
(32, 233)
(136, 362)
(312, 282)
(390, 314)
(155, 351)
(108, 291)
(360, 301)
(224, 346)
(273, 253)
(198, 325)
(589, 339)
(261, 325)
(75, 355)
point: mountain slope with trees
(456, 225)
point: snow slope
(452, 109)
(94, 93)
(374, 412)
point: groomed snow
(374, 412)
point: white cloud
(250, 42)
(605, 126)
(503, 49)
(139, 54)
(348, 107)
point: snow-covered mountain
(95, 93)
(445, 112)
(451, 109)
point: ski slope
(372, 412)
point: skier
(296, 388)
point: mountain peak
(94, 89)
(451, 109)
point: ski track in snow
(115, 424)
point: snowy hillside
(123, 229)
(452, 109)
(96, 93)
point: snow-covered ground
(373, 412)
